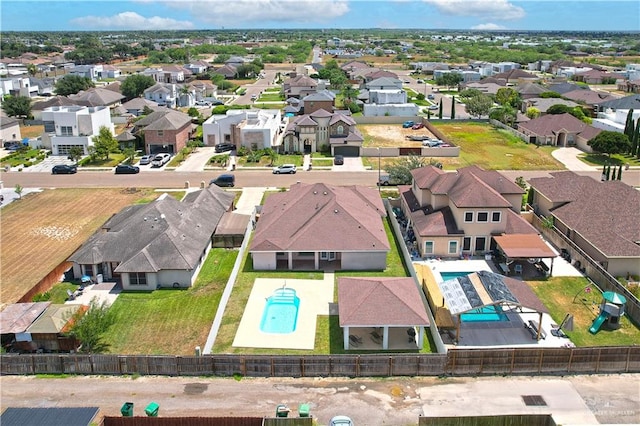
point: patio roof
(524, 246)
(16, 318)
(485, 288)
(380, 302)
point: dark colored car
(64, 169)
(127, 169)
(226, 180)
(338, 160)
(224, 147)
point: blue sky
(583, 15)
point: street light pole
(379, 182)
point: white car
(285, 168)
(161, 159)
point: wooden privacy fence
(624, 359)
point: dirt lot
(390, 135)
(371, 402)
(42, 229)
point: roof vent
(325, 192)
(144, 218)
(335, 211)
(315, 192)
(162, 216)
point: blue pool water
(485, 314)
(451, 275)
(280, 313)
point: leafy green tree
(193, 112)
(453, 107)
(440, 110)
(533, 112)
(272, 154)
(469, 93)
(129, 154)
(104, 143)
(75, 153)
(478, 106)
(635, 143)
(90, 328)
(135, 85)
(508, 96)
(17, 106)
(18, 190)
(549, 94)
(146, 110)
(400, 170)
(505, 114)
(607, 142)
(72, 84)
(449, 79)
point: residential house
(559, 130)
(375, 74)
(457, 214)
(203, 90)
(565, 87)
(543, 104)
(17, 86)
(319, 226)
(393, 307)
(136, 107)
(503, 67)
(46, 85)
(170, 74)
(228, 71)
(163, 94)
(429, 67)
(253, 129)
(163, 243)
(515, 76)
(110, 71)
(629, 86)
(165, 131)
(589, 98)
(322, 99)
(299, 86)
(198, 67)
(599, 217)
(66, 127)
(625, 103)
(385, 96)
(596, 76)
(55, 101)
(351, 66)
(310, 132)
(9, 129)
(15, 319)
(92, 71)
(529, 90)
(97, 97)
(613, 114)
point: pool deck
(316, 297)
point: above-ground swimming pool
(280, 313)
(485, 314)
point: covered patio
(381, 313)
(522, 254)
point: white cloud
(234, 13)
(489, 26)
(131, 21)
(490, 9)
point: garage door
(347, 151)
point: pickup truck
(385, 180)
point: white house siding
(264, 261)
(621, 267)
(167, 278)
(152, 281)
(364, 260)
(402, 110)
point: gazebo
(529, 247)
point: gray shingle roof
(164, 120)
(164, 234)
(76, 416)
(628, 102)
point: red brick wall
(177, 138)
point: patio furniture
(376, 337)
(70, 295)
(355, 340)
(518, 269)
(412, 334)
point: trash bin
(282, 411)
(127, 409)
(303, 410)
(152, 409)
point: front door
(481, 243)
(328, 255)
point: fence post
(540, 363)
(570, 359)
(598, 360)
(513, 360)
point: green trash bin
(127, 409)
(282, 411)
(152, 409)
(303, 410)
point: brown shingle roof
(379, 302)
(311, 217)
(551, 124)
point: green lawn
(266, 162)
(494, 149)
(563, 295)
(170, 321)
(271, 97)
(614, 160)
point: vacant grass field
(563, 295)
(494, 149)
(42, 230)
(31, 131)
(170, 321)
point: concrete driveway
(197, 160)
(569, 157)
(351, 164)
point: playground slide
(598, 322)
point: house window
(137, 278)
(453, 247)
(160, 132)
(306, 254)
(49, 127)
(496, 216)
(428, 247)
(483, 217)
(66, 131)
(328, 255)
(227, 138)
(466, 244)
(481, 243)
(468, 217)
(340, 130)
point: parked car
(432, 143)
(145, 159)
(64, 169)
(254, 97)
(224, 147)
(127, 169)
(420, 81)
(161, 159)
(408, 124)
(338, 160)
(433, 107)
(340, 421)
(385, 180)
(417, 126)
(431, 96)
(285, 168)
(225, 180)
(203, 103)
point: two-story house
(162, 94)
(253, 129)
(165, 131)
(455, 214)
(299, 86)
(310, 132)
(167, 74)
(66, 127)
(385, 96)
(17, 86)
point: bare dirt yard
(40, 231)
(391, 135)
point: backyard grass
(271, 97)
(614, 160)
(563, 295)
(494, 149)
(170, 321)
(31, 131)
(43, 229)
